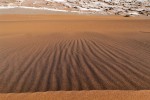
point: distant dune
(102, 7)
(68, 52)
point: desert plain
(73, 55)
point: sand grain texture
(65, 52)
(79, 95)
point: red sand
(66, 52)
(79, 95)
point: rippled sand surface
(69, 52)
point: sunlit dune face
(66, 52)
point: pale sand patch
(79, 95)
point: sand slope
(79, 95)
(65, 52)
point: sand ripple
(76, 61)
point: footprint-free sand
(41, 53)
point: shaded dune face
(74, 61)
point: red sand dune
(66, 52)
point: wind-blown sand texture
(79, 95)
(70, 52)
